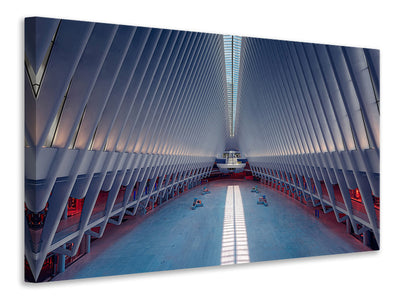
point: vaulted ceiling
(105, 99)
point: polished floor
(230, 228)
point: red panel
(74, 206)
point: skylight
(232, 45)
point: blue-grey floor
(174, 236)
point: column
(367, 238)
(61, 262)
(88, 239)
(348, 226)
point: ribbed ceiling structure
(309, 123)
(133, 115)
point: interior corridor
(175, 237)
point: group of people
(262, 200)
(205, 191)
(197, 202)
(255, 189)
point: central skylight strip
(232, 46)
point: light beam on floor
(234, 248)
(242, 249)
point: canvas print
(151, 149)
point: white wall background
(352, 23)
